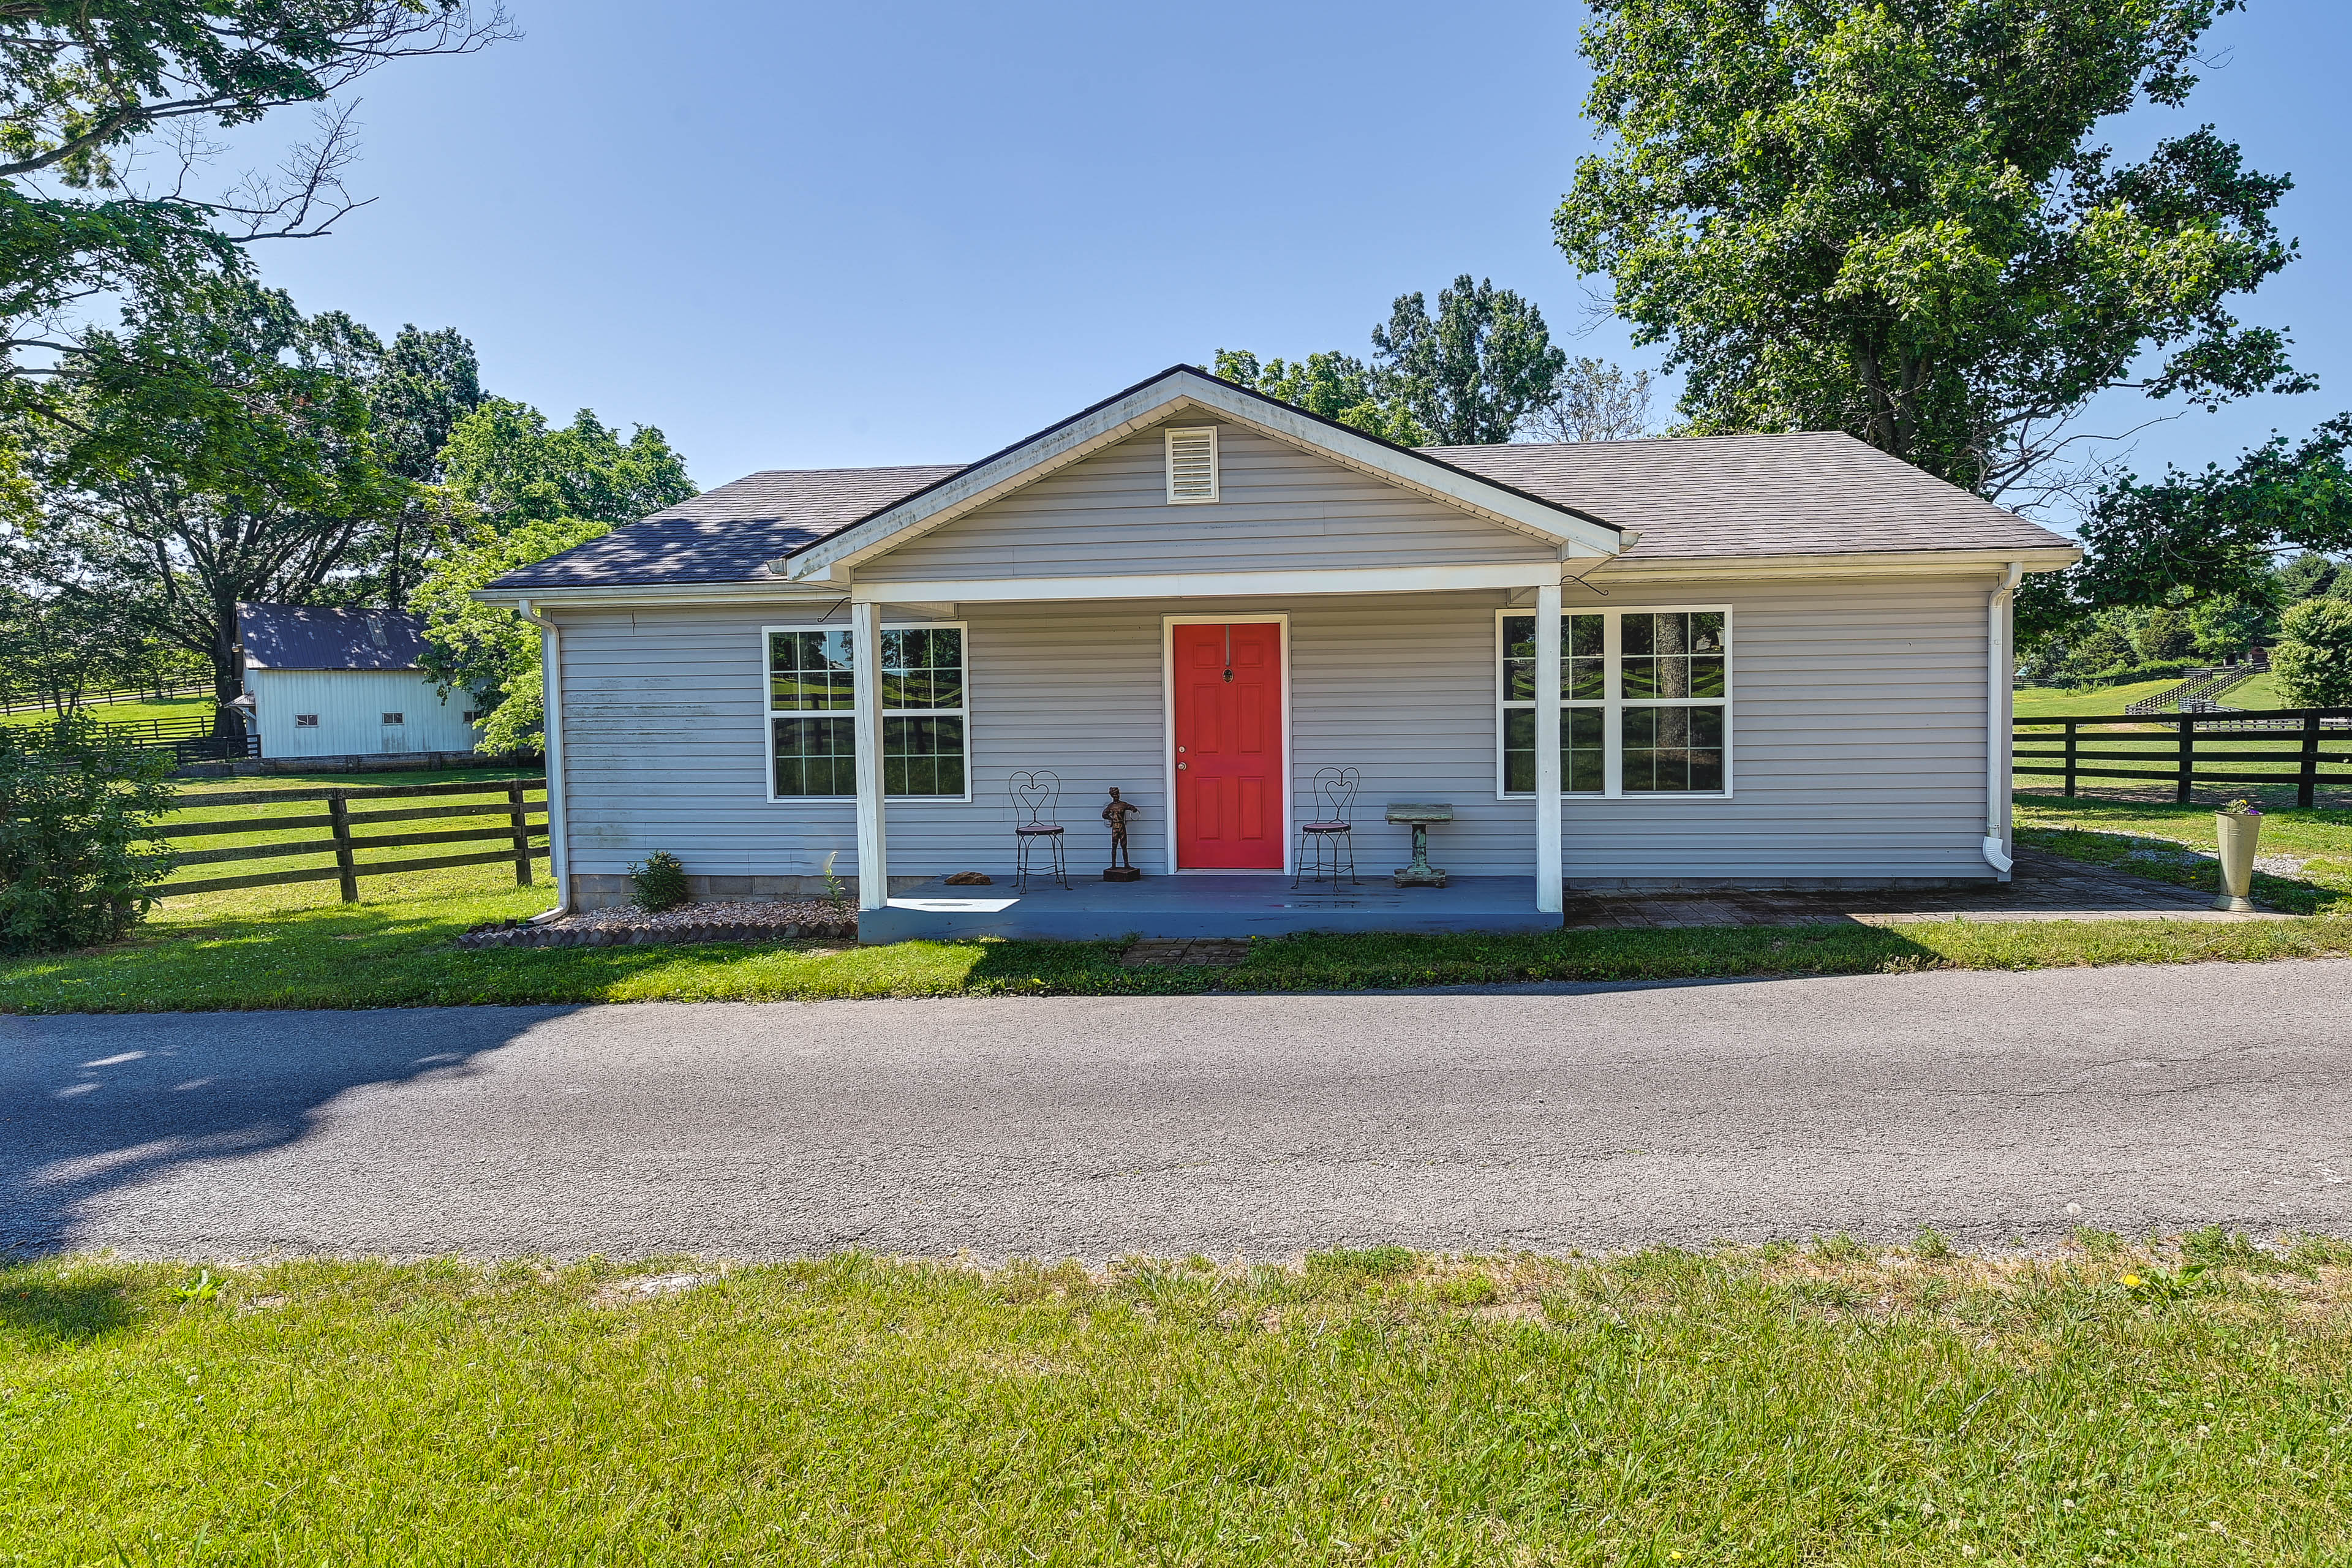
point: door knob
(1180, 767)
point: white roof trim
(832, 559)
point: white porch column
(866, 659)
(1547, 849)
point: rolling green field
(2061, 703)
(126, 712)
(1827, 1404)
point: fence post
(2073, 729)
(2188, 758)
(521, 834)
(346, 868)
(2306, 778)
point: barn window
(306, 721)
(813, 738)
(396, 718)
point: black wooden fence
(523, 832)
(2306, 747)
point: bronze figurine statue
(1122, 867)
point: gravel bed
(625, 925)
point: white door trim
(1168, 624)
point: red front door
(1229, 777)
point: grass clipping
(1833, 1403)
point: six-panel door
(1229, 763)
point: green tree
(506, 464)
(1475, 371)
(1891, 217)
(2311, 574)
(2312, 663)
(217, 452)
(417, 392)
(87, 88)
(524, 491)
(79, 859)
(2218, 532)
(2164, 634)
(2224, 626)
(1336, 386)
(488, 651)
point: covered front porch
(1203, 904)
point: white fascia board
(1880, 564)
(835, 559)
(653, 594)
(1215, 584)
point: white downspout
(550, 679)
(1997, 684)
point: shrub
(2314, 664)
(659, 884)
(76, 804)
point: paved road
(1982, 1104)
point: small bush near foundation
(659, 884)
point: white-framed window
(1644, 703)
(1193, 466)
(926, 712)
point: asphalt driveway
(1992, 1106)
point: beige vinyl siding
(1858, 736)
(1279, 507)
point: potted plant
(2238, 825)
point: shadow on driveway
(90, 1104)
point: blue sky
(801, 236)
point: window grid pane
(1673, 676)
(922, 673)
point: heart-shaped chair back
(1033, 792)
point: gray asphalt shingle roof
(1715, 496)
(1818, 493)
(729, 534)
(301, 636)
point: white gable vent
(1193, 465)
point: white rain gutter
(551, 678)
(1996, 679)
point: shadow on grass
(40, 1308)
(1374, 961)
(2180, 865)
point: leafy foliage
(659, 883)
(488, 650)
(1595, 401)
(2314, 664)
(1336, 386)
(1891, 219)
(75, 806)
(1475, 371)
(505, 463)
(217, 451)
(2217, 532)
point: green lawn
(1820, 1404)
(2140, 839)
(126, 712)
(298, 947)
(2061, 703)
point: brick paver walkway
(2045, 888)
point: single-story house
(1780, 660)
(334, 682)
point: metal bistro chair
(1034, 791)
(1330, 839)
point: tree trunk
(229, 676)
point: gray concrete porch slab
(1198, 904)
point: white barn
(332, 683)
